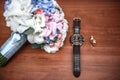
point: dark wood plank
(100, 18)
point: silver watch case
(77, 39)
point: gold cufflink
(92, 41)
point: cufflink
(93, 41)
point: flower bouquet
(41, 21)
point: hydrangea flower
(47, 5)
(7, 3)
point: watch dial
(77, 39)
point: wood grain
(100, 18)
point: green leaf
(38, 45)
(28, 31)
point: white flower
(50, 49)
(30, 38)
(39, 22)
(17, 15)
(21, 29)
(34, 38)
(38, 39)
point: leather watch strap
(76, 25)
(76, 60)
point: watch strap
(76, 60)
(76, 25)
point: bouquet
(42, 21)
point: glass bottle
(9, 48)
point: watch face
(77, 39)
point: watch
(76, 40)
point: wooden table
(100, 18)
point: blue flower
(7, 3)
(47, 5)
(57, 31)
(47, 40)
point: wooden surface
(100, 18)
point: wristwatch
(76, 40)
